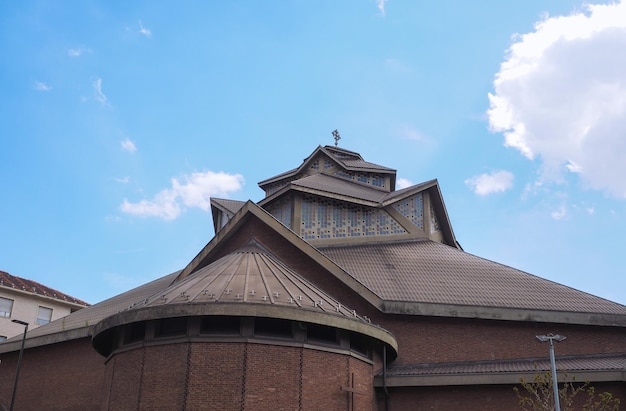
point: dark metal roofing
(229, 205)
(340, 186)
(345, 158)
(428, 272)
(248, 275)
(599, 362)
(22, 284)
(353, 161)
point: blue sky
(120, 119)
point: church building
(334, 292)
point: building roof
(424, 271)
(231, 206)
(32, 287)
(347, 159)
(253, 275)
(251, 282)
(596, 367)
(336, 186)
(79, 323)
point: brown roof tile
(33, 287)
(429, 272)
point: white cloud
(195, 190)
(381, 6)
(123, 180)
(411, 134)
(498, 181)
(146, 32)
(560, 97)
(560, 213)
(128, 145)
(41, 86)
(97, 86)
(77, 52)
(403, 183)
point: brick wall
(474, 398)
(237, 376)
(67, 376)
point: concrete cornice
(247, 310)
(501, 313)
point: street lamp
(551, 337)
(19, 361)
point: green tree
(538, 395)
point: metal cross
(337, 137)
(351, 389)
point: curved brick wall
(236, 376)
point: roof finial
(337, 137)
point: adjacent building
(31, 302)
(334, 292)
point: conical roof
(250, 275)
(250, 281)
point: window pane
(6, 306)
(44, 315)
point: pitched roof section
(231, 206)
(334, 187)
(29, 286)
(348, 160)
(426, 277)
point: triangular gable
(323, 158)
(223, 210)
(242, 225)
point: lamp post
(19, 361)
(551, 337)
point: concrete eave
(501, 313)
(247, 309)
(31, 342)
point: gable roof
(33, 287)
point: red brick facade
(236, 376)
